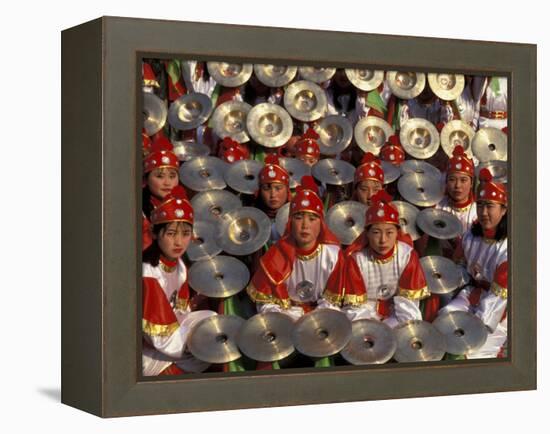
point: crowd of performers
(349, 278)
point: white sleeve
(174, 345)
(405, 309)
(294, 312)
(363, 311)
(460, 302)
(491, 308)
(325, 304)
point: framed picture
(130, 86)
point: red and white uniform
(373, 103)
(387, 287)
(369, 277)
(167, 318)
(493, 110)
(293, 281)
(487, 262)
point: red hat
(490, 191)
(370, 168)
(149, 78)
(273, 172)
(145, 143)
(161, 155)
(231, 151)
(307, 144)
(460, 163)
(307, 198)
(175, 208)
(381, 210)
(392, 151)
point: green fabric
(454, 357)
(214, 98)
(236, 365)
(494, 84)
(173, 70)
(434, 247)
(324, 362)
(375, 101)
(327, 201)
(275, 365)
(396, 121)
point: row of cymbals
(271, 125)
(273, 336)
(405, 85)
(211, 173)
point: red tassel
(458, 151)
(381, 196)
(308, 183)
(485, 175)
(271, 159)
(368, 158)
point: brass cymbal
(154, 113)
(407, 218)
(371, 133)
(442, 274)
(218, 277)
(267, 337)
(406, 85)
(499, 170)
(281, 218)
(188, 150)
(203, 173)
(347, 220)
(463, 331)
(419, 341)
(365, 79)
(214, 339)
(316, 75)
(210, 205)
(305, 101)
(230, 74)
(372, 342)
(420, 189)
(334, 172)
(448, 87)
(321, 332)
(243, 176)
(419, 138)
(229, 120)
(275, 75)
(269, 125)
(335, 134)
(295, 168)
(190, 111)
(439, 224)
(420, 167)
(203, 246)
(490, 144)
(243, 231)
(456, 133)
(391, 172)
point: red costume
(293, 281)
(386, 287)
(167, 317)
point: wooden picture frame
(101, 183)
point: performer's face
(382, 237)
(308, 159)
(367, 189)
(305, 228)
(174, 239)
(490, 214)
(458, 187)
(162, 181)
(274, 195)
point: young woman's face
(274, 195)
(366, 190)
(162, 181)
(382, 237)
(308, 159)
(174, 239)
(305, 228)
(489, 214)
(459, 187)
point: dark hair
(151, 254)
(501, 232)
(146, 204)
